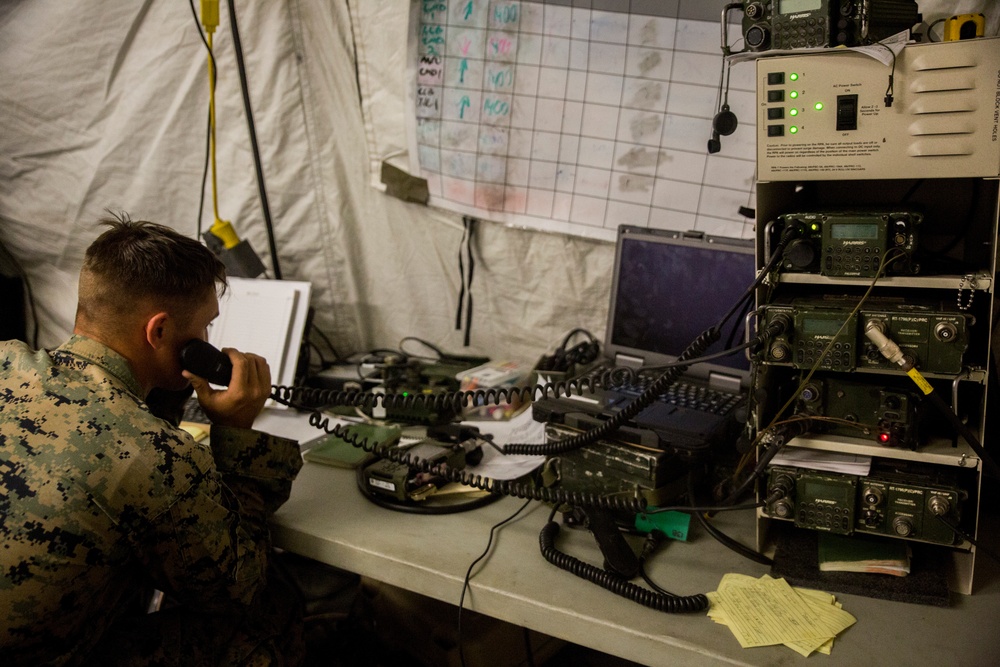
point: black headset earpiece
(725, 121)
(723, 124)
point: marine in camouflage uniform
(100, 500)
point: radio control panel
(829, 333)
(901, 499)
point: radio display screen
(815, 490)
(793, 6)
(812, 325)
(865, 231)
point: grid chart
(578, 116)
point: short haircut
(136, 261)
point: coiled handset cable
(612, 581)
(513, 488)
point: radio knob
(902, 526)
(845, 31)
(945, 331)
(781, 487)
(870, 518)
(800, 254)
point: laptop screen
(668, 288)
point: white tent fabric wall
(104, 106)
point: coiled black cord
(456, 401)
(615, 583)
(310, 397)
(623, 416)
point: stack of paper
(768, 611)
(840, 553)
(817, 459)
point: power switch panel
(847, 112)
(942, 122)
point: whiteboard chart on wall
(577, 116)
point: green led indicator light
(793, 129)
(793, 94)
(814, 227)
(793, 76)
(793, 112)
(819, 106)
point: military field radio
(796, 24)
(901, 499)
(848, 243)
(828, 332)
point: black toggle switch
(847, 112)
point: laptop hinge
(724, 382)
(628, 361)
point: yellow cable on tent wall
(223, 229)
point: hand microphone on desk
(618, 555)
(205, 361)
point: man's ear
(156, 330)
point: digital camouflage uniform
(100, 500)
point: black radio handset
(205, 361)
(618, 555)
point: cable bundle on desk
(511, 488)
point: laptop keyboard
(685, 394)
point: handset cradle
(204, 360)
